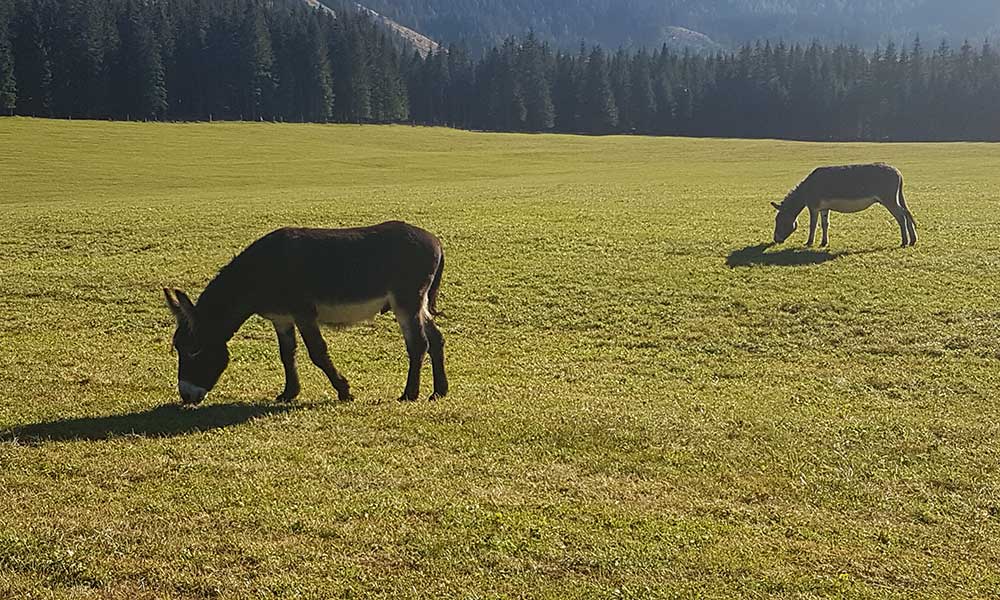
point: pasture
(645, 401)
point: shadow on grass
(163, 421)
(789, 257)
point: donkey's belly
(341, 314)
(846, 205)
(354, 312)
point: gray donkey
(846, 189)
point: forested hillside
(196, 60)
(284, 61)
(614, 23)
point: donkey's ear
(776, 206)
(181, 306)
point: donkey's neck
(222, 307)
(794, 202)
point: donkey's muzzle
(190, 393)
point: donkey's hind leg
(286, 345)
(899, 213)
(826, 229)
(411, 322)
(911, 226)
(320, 356)
(813, 219)
(436, 342)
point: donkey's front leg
(286, 345)
(813, 218)
(826, 229)
(320, 356)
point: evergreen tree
(8, 83)
(618, 76)
(566, 94)
(599, 114)
(535, 81)
(256, 61)
(388, 99)
(31, 60)
(462, 83)
(138, 76)
(318, 90)
(642, 102)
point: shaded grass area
(758, 255)
(647, 401)
(161, 421)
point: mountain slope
(646, 22)
(421, 43)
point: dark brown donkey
(847, 189)
(304, 277)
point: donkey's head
(785, 223)
(200, 362)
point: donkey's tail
(902, 203)
(432, 293)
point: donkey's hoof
(345, 397)
(286, 397)
(408, 397)
(436, 396)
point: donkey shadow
(757, 255)
(166, 421)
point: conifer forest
(282, 60)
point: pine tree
(318, 92)
(534, 74)
(509, 110)
(664, 82)
(566, 93)
(618, 76)
(599, 112)
(256, 80)
(138, 72)
(389, 99)
(31, 60)
(80, 58)
(8, 83)
(642, 103)
(462, 80)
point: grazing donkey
(847, 189)
(303, 277)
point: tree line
(196, 60)
(812, 92)
(283, 60)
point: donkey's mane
(789, 201)
(217, 305)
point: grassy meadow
(646, 401)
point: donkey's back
(337, 266)
(852, 182)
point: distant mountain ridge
(421, 43)
(633, 23)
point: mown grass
(645, 401)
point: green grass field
(645, 402)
